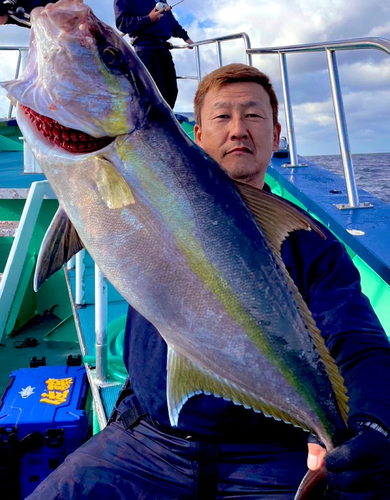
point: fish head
(81, 75)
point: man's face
(237, 130)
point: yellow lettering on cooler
(57, 391)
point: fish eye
(111, 57)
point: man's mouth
(239, 150)
(69, 139)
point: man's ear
(198, 135)
(277, 130)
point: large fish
(193, 251)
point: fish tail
(313, 486)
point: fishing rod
(165, 6)
(177, 3)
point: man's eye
(253, 115)
(222, 116)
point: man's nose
(238, 129)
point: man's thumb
(315, 458)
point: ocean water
(372, 171)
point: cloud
(383, 30)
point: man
(149, 30)
(220, 450)
(18, 11)
(229, 117)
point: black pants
(160, 65)
(145, 463)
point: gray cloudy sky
(365, 75)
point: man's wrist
(374, 426)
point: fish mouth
(70, 139)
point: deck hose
(115, 337)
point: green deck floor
(55, 351)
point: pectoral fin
(185, 379)
(112, 186)
(60, 243)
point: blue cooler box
(43, 419)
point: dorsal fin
(276, 219)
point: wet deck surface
(319, 191)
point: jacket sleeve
(330, 284)
(126, 21)
(177, 30)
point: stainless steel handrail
(13, 47)
(352, 44)
(329, 48)
(217, 41)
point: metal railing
(330, 48)
(77, 262)
(217, 41)
(19, 250)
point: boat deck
(319, 191)
(56, 350)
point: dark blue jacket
(330, 284)
(132, 17)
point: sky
(365, 75)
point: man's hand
(155, 15)
(3, 20)
(189, 41)
(359, 469)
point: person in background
(220, 450)
(149, 30)
(18, 11)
